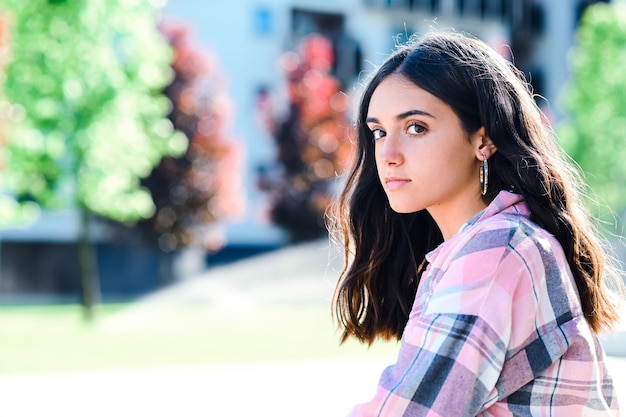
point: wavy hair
(384, 251)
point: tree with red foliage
(202, 187)
(312, 141)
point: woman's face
(425, 159)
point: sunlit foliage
(88, 117)
(83, 89)
(595, 132)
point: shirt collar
(503, 201)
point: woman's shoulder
(510, 229)
(517, 233)
(505, 263)
(506, 245)
(496, 235)
(502, 244)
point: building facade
(249, 36)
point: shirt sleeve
(448, 365)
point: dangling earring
(484, 174)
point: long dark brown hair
(385, 251)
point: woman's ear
(483, 144)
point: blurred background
(165, 169)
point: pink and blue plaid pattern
(496, 330)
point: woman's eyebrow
(409, 113)
(403, 115)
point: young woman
(466, 238)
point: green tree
(86, 81)
(595, 99)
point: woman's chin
(404, 209)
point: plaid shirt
(496, 330)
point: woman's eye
(415, 129)
(378, 133)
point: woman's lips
(392, 182)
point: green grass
(56, 338)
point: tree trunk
(89, 280)
(166, 268)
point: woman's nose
(390, 151)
